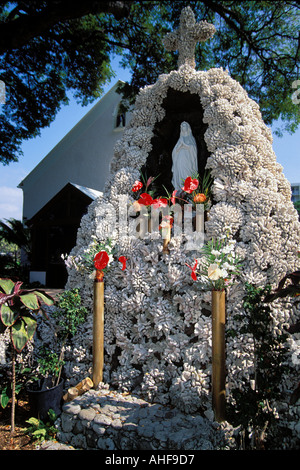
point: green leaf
(52, 415)
(18, 388)
(30, 301)
(7, 285)
(33, 421)
(31, 324)
(22, 332)
(40, 433)
(19, 335)
(44, 297)
(4, 398)
(8, 316)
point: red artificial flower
(190, 185)
(193, 274)
(160, 202)
(137, 186)
(101, 260)
(123, 260)
(145, 199)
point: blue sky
(287, 150)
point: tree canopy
(49, 50)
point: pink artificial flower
(101, 260)
(149, 181)
(123, 260)
(190, 185)
(173, 196)
(193, 274)
(160, 202)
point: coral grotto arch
(157, 321)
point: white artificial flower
(227, 249)
(226, 266)
(215, 252)
(214, 272)
(223, 273)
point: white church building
(57, 192)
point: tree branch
(18, 32)
(228, 16)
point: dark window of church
(121, 120)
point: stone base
(110, 420)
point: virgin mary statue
(184, 157)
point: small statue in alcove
(184, 157)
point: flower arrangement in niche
(198, 191)
(147, 198)
(219, 266)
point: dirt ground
(20, 441)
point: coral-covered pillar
(218, 354)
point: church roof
(65, 142)
(92, 193)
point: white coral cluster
(157, 321)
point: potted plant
(47, 392)
(18, 308)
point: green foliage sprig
(23, 375)
(68, 315)
(40, 430)
(50, 363)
